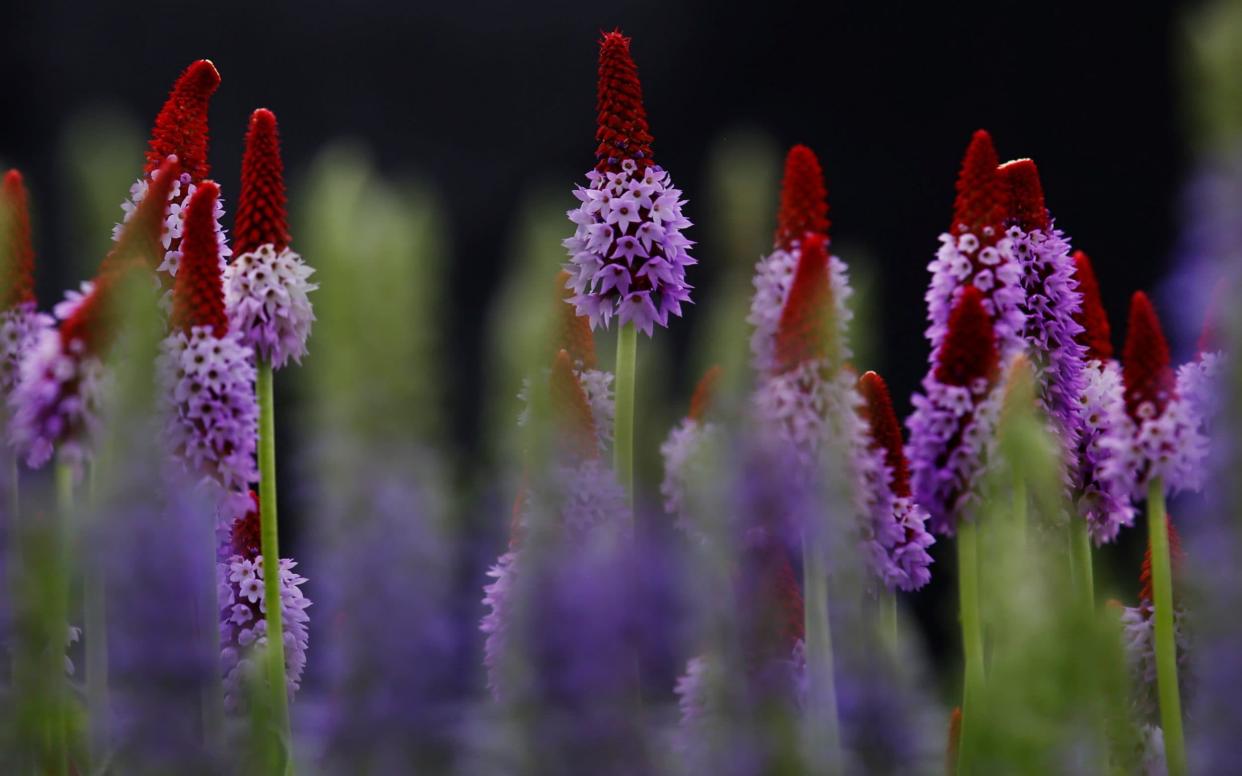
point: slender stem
(623, 420)
(1084, 575)
(275, 653)
(823, 728)
(95, 626)
(1166, 644)
(972, 637)
(58, 707)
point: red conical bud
(981, 198)
(573, 331)
(804, 331)
(181, 126)
(1025, 194)
(804, 199)
(1175, 557)
(878, 411)
(622, 132)
(701, 400)
(570, 409)
(261, 217)
(1146, 366)
(17, 269)
(1097, 335)
(969, 348)
(198, 290)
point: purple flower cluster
(1138, 629)
(174, 219)
(773, 280)
(265, 293)
(683, 452)
(1170, 446)
(21, 329)
(212, 416)
(896, 540)
(994, 270)
(1104, 500)
(628, 256)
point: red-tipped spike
(1175, 557)
(704, 392)
(955, 739)
(261, 217)
(17, 272)
(969, 348)
(885, 429)
(198, 291)
(1097, 335)
(140, 237)
(573, 331)
(244, 535)
(570, 408)
(803, 333)
(772, 597)
(980, 203)
(804, 200)
(1025, 195)
(1146, 366)
(622, 132)
(181, 126)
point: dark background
(489, 99)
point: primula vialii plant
(628, 256)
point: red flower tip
(17, 274)
(245, 537)
(181, 126)
(261, 217)
(1175, 557)
(573, 332)
(804, 199)
(198, 291)
(969, 348)
(570, 409)
(1145, 362)
(1097, 335)
(704, 392)
(981, 198)
(878, 411)
(622, 132)
(803, 333)
(955, 739)
(1026, 195)
(139, 240)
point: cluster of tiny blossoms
(993, 269)
(21, 328)
(774, 275)
(265, 291)
(1105, 494)
(174, 220)
(628, 256)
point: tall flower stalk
(628, 257)
(266, 288)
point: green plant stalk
(1020, 508)
(95, 625)
(824, 727)
(57, 718)
(623, 419)
(972, 636)
(1166, 645)
(1084, 574)
(275, 652)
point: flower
(266, 285)
(951, 429)
(684, 446)
(21, 325)
(57, 400)
(206, 372)
(243, 619)
(628, 257)
(897, 538)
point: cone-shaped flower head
(573, 332)
(682, 450)
(181, 126)
(806, 330)
(1097, 335)
(207, 374)
(897, 538)
(243, 609)
(979, 208)
(704, 393)
(954, 419)
(1026, 196)
(574, 421)
(628, 256)
(20, 323)
(1162, 434)
(57, 399)
(266, 285)
(804, 199)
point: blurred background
(482, 117)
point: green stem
(1020, 508)
(95, 627)
(57, 718)
(1166, 644)
(824, 737)
(972, 637)
(275, 653)
(623, 420)
(1084, 575)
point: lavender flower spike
(628, 257)
(21, 325)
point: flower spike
(181, 126)
(570, 407)
(885, 430)
(622, 132)
(1097, 334)
(704, 393)
(804, 332)
(1026, 195)
(682, 450)
(261, 217)
(980, 205)
(1146, 363)
(574, 331)
(198, 294)
(969, 350)
(804, 199)
(17, 283)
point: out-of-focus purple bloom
(1104, 500)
